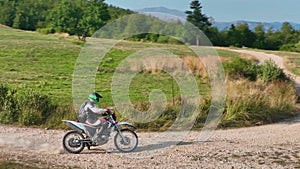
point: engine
(101, 138)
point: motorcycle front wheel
(128, 142)
(71, 142)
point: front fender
(126, 124)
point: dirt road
(261, 57)
(270, 146)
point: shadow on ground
(145, 148)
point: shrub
(163, 39)
(152, 37)
(3, 95)
(31, 108)
(173, 40)
(35, 108)
(287, 47)
(45, 30)
(26, 108)
(8, 105)
(241, 68)
(62, 112)
(269, 71)
(291, 47)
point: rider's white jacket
(89, 112)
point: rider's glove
(108, 111)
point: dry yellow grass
(250, 103)
(195, 65)
(165, 63)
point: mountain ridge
(167, 14)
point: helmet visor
(97, 101)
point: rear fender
(75, 125)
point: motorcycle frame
(80, 127)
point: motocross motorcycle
(87, 135)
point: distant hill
(252, 25)
(165, 10)
(164, 13)
(167, 14)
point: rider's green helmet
(95, 97)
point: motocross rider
(89, 112)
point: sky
(227, 10)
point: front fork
(119, 132)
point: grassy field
(45, 63)
(39, 62)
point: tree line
(49, 16)
(287, 38)
(78, 17)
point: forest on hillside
(78, 17)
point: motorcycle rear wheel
(71, 142)
(130, 143)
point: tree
(96, 15)
(199, 20)
(223, 38)
(7, 12)
(233, 36)
(116, 12)
(27, 15)
(138, 24)
(288, 33)
(66, 17)
(196, 17)
(246, 36)
(273, 39)
(260, 37)
(241, 35)
(217, 38)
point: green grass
(227, 53)
(45, 63)
(36, 61)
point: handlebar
(109, 111)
